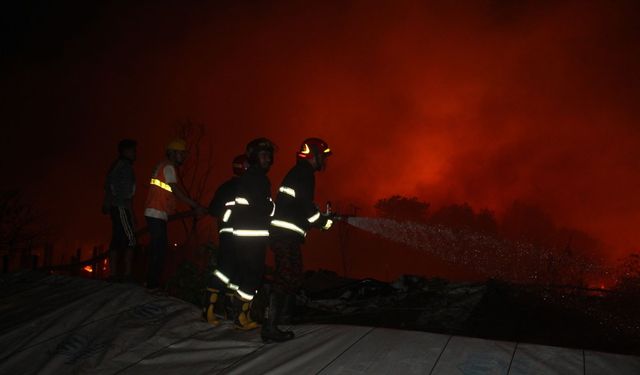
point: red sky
(483, 102)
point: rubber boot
(270, 331)
(242, 315)
(288, 309)
(209, 311)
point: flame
(88, 268)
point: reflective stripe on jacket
(296, 212)
(252, 207)
(222, 204)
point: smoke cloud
(482, 102)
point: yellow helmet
(177, 145)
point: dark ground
(606, 321)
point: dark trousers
(250, 257)
(123, 239)
(289, 272)
(225, 262)
(157, 250)
(122, 230)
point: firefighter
(250, 215)
(295, 214)
(220, 208)
(164, 192)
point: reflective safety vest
(161, 198)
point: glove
(329, 220)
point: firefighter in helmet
(220, 208)
(250, 214)
(296, 213)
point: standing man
(120, 187)
(220, 208)
(164, 192)
(251, 212)
(295, 214)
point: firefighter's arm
(316, 218)
(269, 205)
(263, 204)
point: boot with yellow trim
(242, 314)
(209, 309)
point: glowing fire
(88, 268)
(602, 285)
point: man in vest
(120, 187)
(164, 192)
(251, 212)
(220, 208)
(295, 214)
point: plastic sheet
(66, 326)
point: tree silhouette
(196, 171)
(401, 208)
(629, 274)
(19, 227)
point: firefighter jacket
(253, 207)
(222, 203)
(296, 212)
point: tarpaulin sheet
(61, 325)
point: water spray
(483, 253)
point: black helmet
(257, 145)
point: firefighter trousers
(225, 269)
(289, 272)
(250, 255)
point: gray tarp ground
(62, 325)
